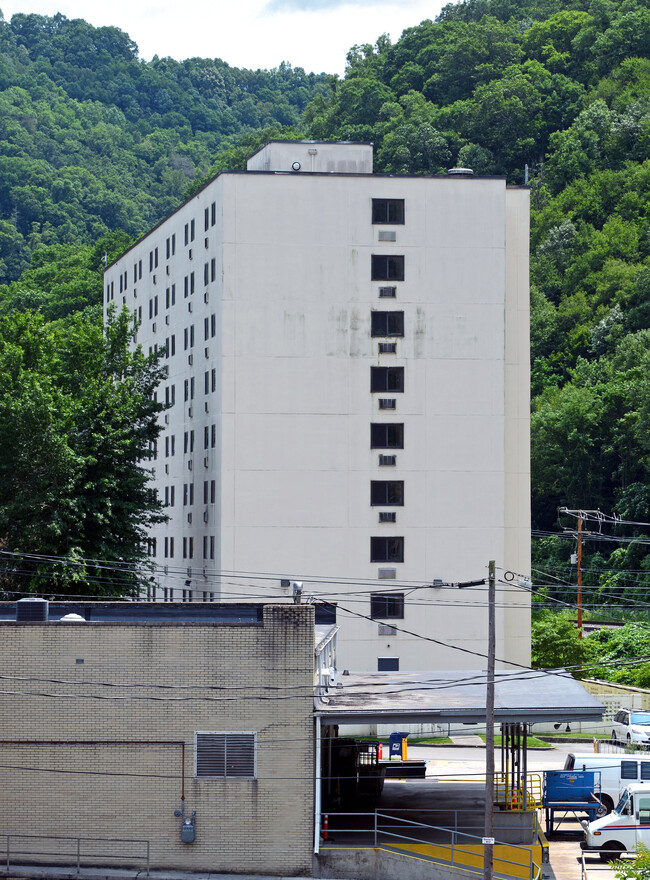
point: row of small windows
(209, 437)
(209, 493)
(189, 388)
(188, 547)
(384, 267)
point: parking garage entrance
(431, 817)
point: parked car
(631, 727)
(624, 829)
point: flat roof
(165, 612)
(307, 175)
(457, 696)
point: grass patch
(589, 736)
(429, 740)
(533, 741)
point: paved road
(459, 762)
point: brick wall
(221, 677)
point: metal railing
(600, 865)
(73, 848)
(515, 797)
(609, 747)
(459, 847)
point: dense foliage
(620, 654)
(93, 139)
(77, 413)
(97, 143)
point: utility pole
(579, 574)
(488, 838)
(581, 516)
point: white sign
(488, 840)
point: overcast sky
(314, 34)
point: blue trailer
(570, 792)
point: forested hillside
(92, 139)
(97, 145)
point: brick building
(108, 722)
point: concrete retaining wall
(378, 864)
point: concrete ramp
(361, 863)
(426, 861)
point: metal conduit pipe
(106, 742)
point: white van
(622, 830)
(616, 772)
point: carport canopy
(521, 696)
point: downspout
(317, 788)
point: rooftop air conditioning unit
(32, 610)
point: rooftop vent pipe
(460, 172)
(32, 610)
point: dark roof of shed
(457, 696)
(165, 612)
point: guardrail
(467, 852)
(457, 847)
(600, 864)
(608, 746)
(511, 796)
(76, 851)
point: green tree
(556, 642)
(78, 417)
(633, 869)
